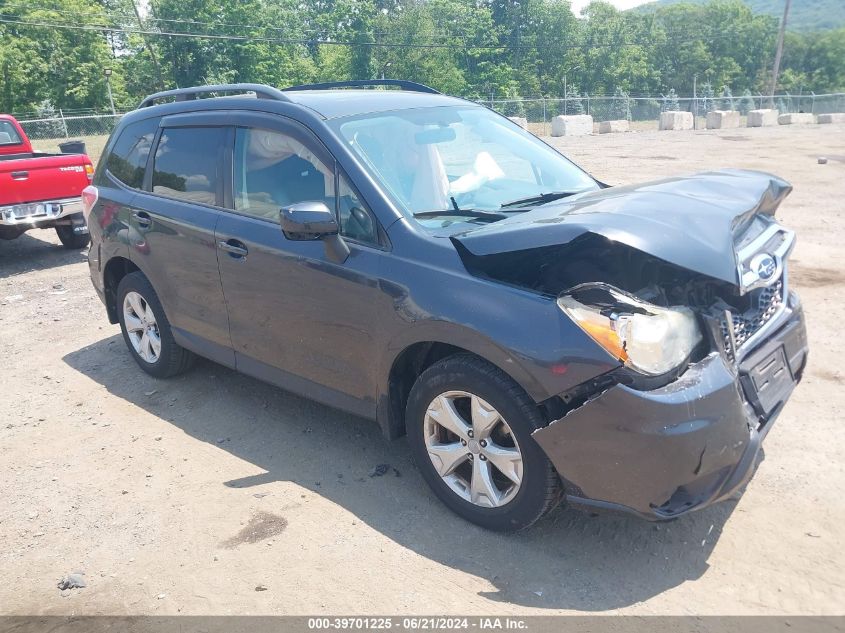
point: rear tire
(517, 483)
(71, 240)
(147, 331)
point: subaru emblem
(764, 266)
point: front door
(297, 318)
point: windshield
(456, 159)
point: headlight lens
(646, 337)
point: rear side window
(8, 134)
(187, 164)
(128, 158)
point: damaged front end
(709, 339)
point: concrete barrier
(521, 121)
(606, 127)
(762, 118)
(675, 120)
(722, 119)
(572, 125)
(797, 117)
(833, 117)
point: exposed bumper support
(682, 447)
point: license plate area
(769, 382)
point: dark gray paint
(688, 221)
(696, 438)
(333, 331)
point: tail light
(89, 199)
(89, 171)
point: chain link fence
(94, 128)
(540, 111)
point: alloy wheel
(473, 449)
(141, 327)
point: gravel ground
(184, 496)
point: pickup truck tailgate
(40, 178)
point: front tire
(147, 331)
(71, 240)
(469, 426)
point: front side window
(466, 157)
(128, 158)
(8, 134)
(187, 164)
(274, 170)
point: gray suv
(423, 261)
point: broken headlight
(646, 337)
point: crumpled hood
(692, 221)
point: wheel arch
(413, 357)
(116, 269)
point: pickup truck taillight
(89, 199)
(89, 171)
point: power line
(691, 31)
(323, 40)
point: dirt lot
(183, 496)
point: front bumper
(684, 446)
(35, 214)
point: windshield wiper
(456, 211)
(461, 213)
(542, 198)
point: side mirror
(311, 221)
(307, 221)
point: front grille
(765, 304)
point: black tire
(173, 359)
(71, 240)
(540, 488)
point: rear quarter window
(128, 158)
(8, 134)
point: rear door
(297, 318)
(172, 230)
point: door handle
(235, 248)
(20, 175)
(143, 219)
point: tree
(621, 108)
(726, 101)
(64, 66)
(707, 98)
(670, 102)
(747, 103)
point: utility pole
(107, 72)
(148, 45)
(778, 54)
(694, 101)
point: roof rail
(411, 86)
(188, 94)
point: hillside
(804, 15)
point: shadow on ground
(570, 560)
(27, 253)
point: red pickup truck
(40, 190)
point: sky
(577, 5)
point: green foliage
(706, 98)
(621, 108)
(747, 103)
(478, 48)
(670, 102)
(726, 100)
